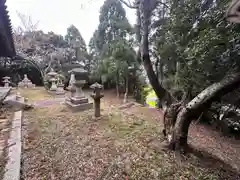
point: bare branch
(27, 22)
(164, 4)
(129, 5)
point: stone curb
(13, 166)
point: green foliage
(140, 92)
(74, 38)
(198, 37)
(111, 45)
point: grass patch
(39, 93)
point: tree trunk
(177, 73)
(117, 87)
(159, 90)
(126, 91)
(197, 105)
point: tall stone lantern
(78, 101)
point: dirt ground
(125, 143)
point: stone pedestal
(78, 104)
(77, 101)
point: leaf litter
(61, 145)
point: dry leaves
(62, 145)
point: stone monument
(26, 83)
(97, 95)
(78, 101)
(6, 81)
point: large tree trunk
(146, 7)
(196, 106)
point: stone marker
(6, 81)
(78, 101)
(97, 95)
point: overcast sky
(57, 15)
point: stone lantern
(97, 95)
(6, 81)
(78, 101)
(52, 73)
(53, 80)
(53, 84)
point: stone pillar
(97, 95)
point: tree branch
(129, 5)
(164, 4)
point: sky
(58, 15)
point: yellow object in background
(151, 98)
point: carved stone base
(78, 100)
(79, 107)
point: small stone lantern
(52, 73)
(53, 84)
(53, 80)
(97, 95)
(6, 81)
